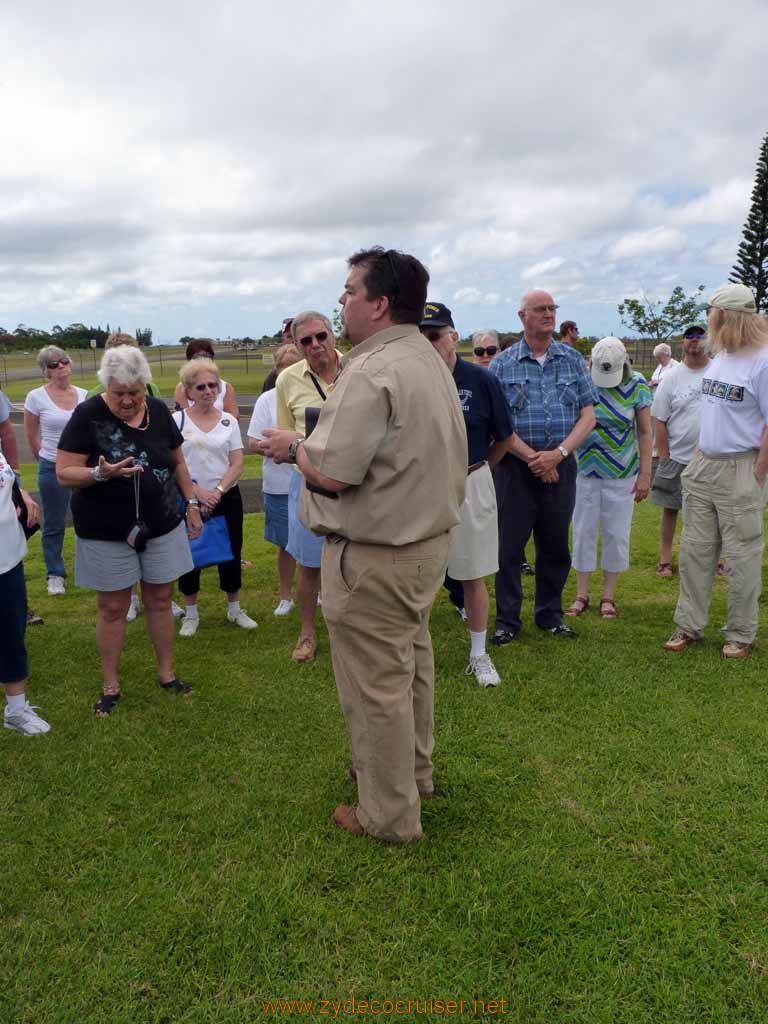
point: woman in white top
(14, 669)
(724, 484)
(47, 410)
(276, 480)
(226, 400)
(213, 450)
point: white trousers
(606, 505)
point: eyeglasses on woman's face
(54, 364)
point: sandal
(665, 569)
(176, 686)
(105, 705)
(608, 608)
(579, 606)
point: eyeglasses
(694, 336)
(320, 336)
(212, 385)
(541, 310)
(64, 361)
(432, 335)
(491, 350)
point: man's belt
(476, 465)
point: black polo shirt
(486, 413)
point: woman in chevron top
(614, 472)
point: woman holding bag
(213, 450)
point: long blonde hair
(731, 331)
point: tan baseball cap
(733, 296)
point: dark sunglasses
(490, 351)
(210, 386)
(694, 336)
(59, 362)
(432, 335)
(320, 336)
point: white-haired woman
(485, 345)
(47, 410)
(213, 451)
(662, 353)
(724, 484)
(121, 452)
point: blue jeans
(55, 502)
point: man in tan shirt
(390, 451)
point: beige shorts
(474, 551)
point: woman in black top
(121, 452)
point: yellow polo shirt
(295, 391)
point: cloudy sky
(205, 169)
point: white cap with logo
(607, 361)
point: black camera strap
(316, 382)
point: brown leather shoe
(679, 642)
(305, 649)
(345, 817)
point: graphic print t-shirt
(105, 511)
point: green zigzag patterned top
(610, 452)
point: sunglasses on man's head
(208, 386)
(320, 336)
(491, 350)
(59, 362)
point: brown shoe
(735, 649)
(305, 649)
(345, 817)
(679, 642)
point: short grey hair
(305, 317)
(662, 349)
(124, 365)
(478, 336)
(49, 354)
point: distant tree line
(76, 335)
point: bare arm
(8, 444)
(645, 445)
(230, 402)
(184, 483)
(662, 438)
(32, 430)
(72, 471)
(761, 462)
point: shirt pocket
(567, 387)
(516, 392)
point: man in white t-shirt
(675, 412)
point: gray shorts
(108, 565)
(667, 489)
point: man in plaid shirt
(551, 399)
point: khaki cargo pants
(376, 603)
(722, 505)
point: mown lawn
(598, 854)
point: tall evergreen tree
(751, 267)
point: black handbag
(21, 506)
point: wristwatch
(293, 448)
(192, 503)
(96, 475)
(563, 451)
(220, 489)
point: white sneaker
(177, 610)
(482, 669)
(26, 721)
(189, 626)
(284, 607)
(56, 585)
(242, 620)
(133, 610)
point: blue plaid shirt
(544, 401)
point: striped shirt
(610, 452)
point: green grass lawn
(597, 854)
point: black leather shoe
(527, 569)
(563, 631)
(503, 636)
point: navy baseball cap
(437, 315)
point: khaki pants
(376, 603)
(722, 505)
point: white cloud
(647, 243)
(538, 270)
(474, 297)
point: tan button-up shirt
(394, 431)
